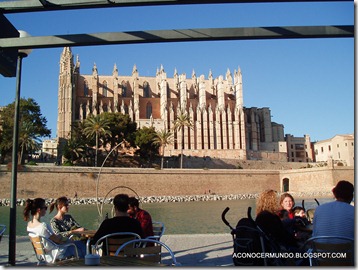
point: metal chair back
(2, 230)
(112, 241)
(40, 250)
(158, 230)
(334, 250)
(138, 248)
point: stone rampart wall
(52, 182)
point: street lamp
(12, 233)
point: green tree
(29, 113)
(73, 150)
(183, 120)
(163, 138)
(96, 126)
(121, 128)
(28, 140)
(144, 139)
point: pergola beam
(47, 5)
(179, 35)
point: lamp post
(13, 199)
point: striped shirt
(334, 219)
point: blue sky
(307, 83)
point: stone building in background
(299, 149)
(338, 150)
(223, 128)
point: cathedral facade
(220, 129)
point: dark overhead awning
(179, 35)
(46, 5)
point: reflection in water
(179, 217)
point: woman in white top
(37, 208)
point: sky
(308, 84)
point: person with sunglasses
(63, 223)
(37, 209)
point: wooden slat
(114, 243)
(37, 245)
(152, 254)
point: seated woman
(267, 207)
(63, 223)
(37, 208)
(287, 202)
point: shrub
(32, 163)
(67, 163)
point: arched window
(85, 88)
(285, 185)
(148, 110)
(124, 89)
(168, 92)
(84, 110)
(145, 89)
(104, 88)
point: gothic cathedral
(215, 106)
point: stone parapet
(52, 182)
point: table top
(86, 233)
(111, 261)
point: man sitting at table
(336, 218)
(121, 222)
(141, 215)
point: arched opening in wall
(104, 88)
(148, 110)
(285, 185)
(146, 89)
(85, 88)
(124, 89)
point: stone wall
(52, 182)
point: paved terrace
(199, 250)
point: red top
(145, 221)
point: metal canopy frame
(178, 35)
(140, 37)
(47, 5)
(155, 36)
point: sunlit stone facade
(215, 106)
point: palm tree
(95, 126)
(28, 140)
(163, 138)
(73, 150)
(183, 120)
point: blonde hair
(268, 200)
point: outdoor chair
(328, 246)
(2, 230)
(158, 230)
(112, 242)
(38, 243)
(138, 248)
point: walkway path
(190, 250)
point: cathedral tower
(66, 98)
